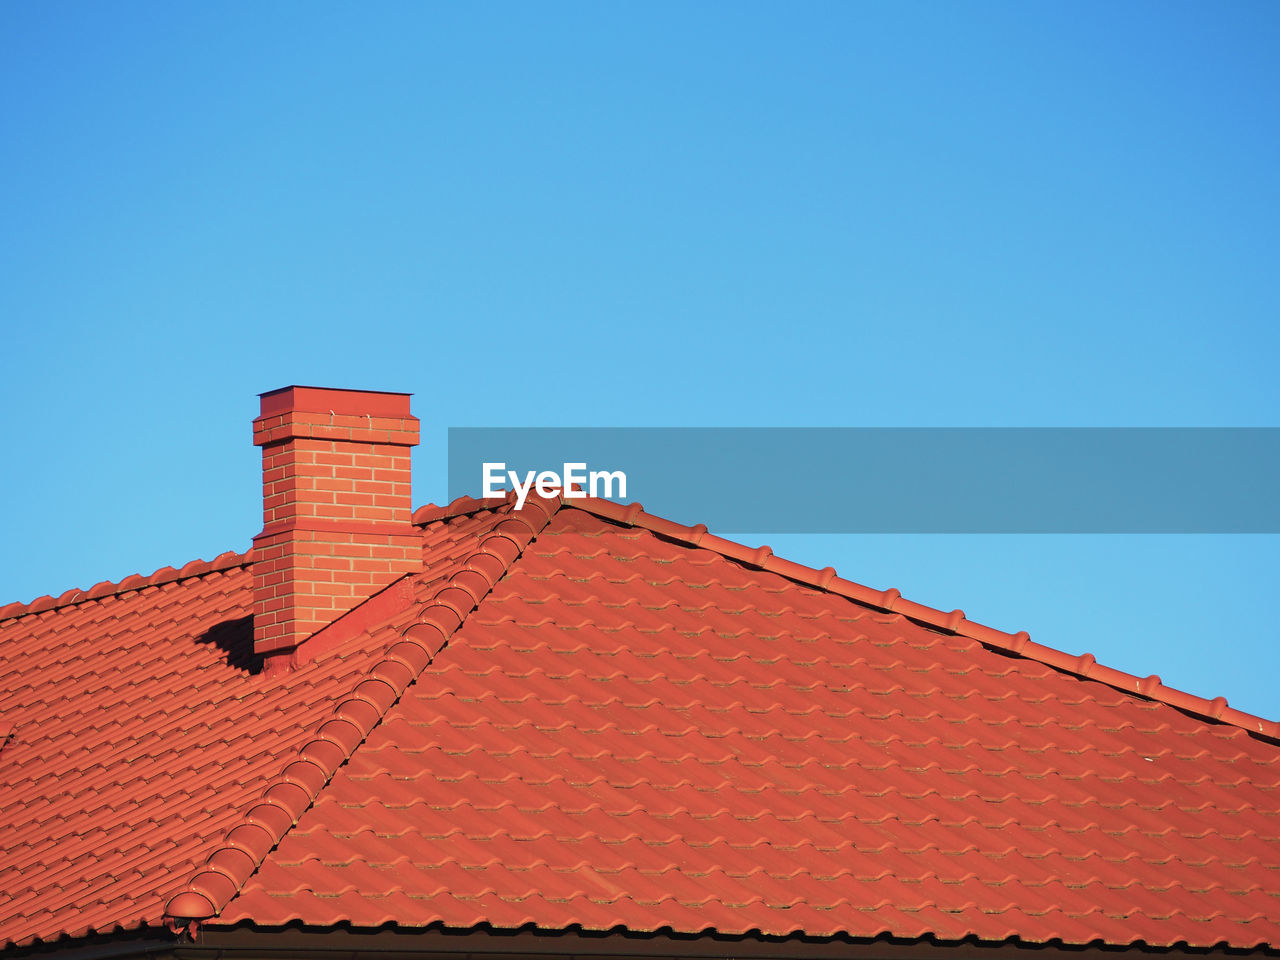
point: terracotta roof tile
(138, 736)
(635, 731)
(597, 717)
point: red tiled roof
(631, 724)
(139, 738)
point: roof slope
(138, 736)
(629, 723)
(631, 731)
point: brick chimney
(336, 509)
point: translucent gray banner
(901, 480)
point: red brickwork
(336, 507)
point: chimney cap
(378, 403)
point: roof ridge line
(892, 601)
(428, 513)
(463, 506)
(135, 581)
(291, 793)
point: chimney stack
(336, 509)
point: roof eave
(296, 941)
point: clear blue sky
(964, 214)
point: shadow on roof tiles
(235, 639)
